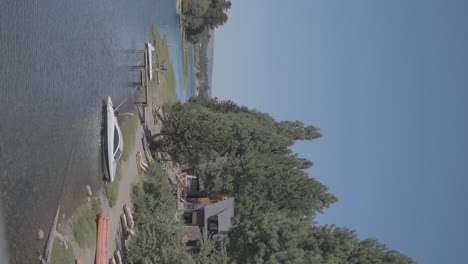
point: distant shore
(178, 8)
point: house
(208, 217)
(195, 185)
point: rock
(88, 190)
(89, 199)
(40, 234)
(59, 236)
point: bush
(159, 236)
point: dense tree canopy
(159, 235)
(278, 238)
(199, 16)
(276, 199)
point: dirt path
(130, 178)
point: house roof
(225, 212)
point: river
(58, 61)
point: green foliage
(271, 182)
(167, 79)
(212, 252)
(128, 125)
(185, 57)
(261, 171)
(269, 238)
(191, 136)
(84, 226)
(196, 54)
(199, 16)
(276, 200)
(60, 254)
(201, 62)
(278, 238)
(158, 238)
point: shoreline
(160, 94)
(130, 178)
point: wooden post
(137, 68)
(136, 51)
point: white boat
(113, 142)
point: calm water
(58, 61)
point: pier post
(138, 68)
(136, 51)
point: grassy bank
(60, 254)
(185, 57)
(112, 188)
(128, 124)
(196, 54)
(167, 83)
(84, 226)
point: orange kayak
(78, 261)
(102, 239)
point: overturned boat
(112, 142)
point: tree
(199, 16)
(212, 252)
(276, 199)
(158, 237)
(299, 131)
(191, 136)
(261, 171)
(268, 238)
(276, 238)
(264, 182)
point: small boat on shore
(129, 216)
(112, 142)
(102, 239)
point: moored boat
(112, 142)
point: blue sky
(386, 81)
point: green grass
(62, 255)
(84, 226)
(112, 188)
(128, 124)
(196, 54)
(167, 79)
(185, 57)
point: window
(117, 154)
(190, 218)
(116, 138)
(213, 224)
